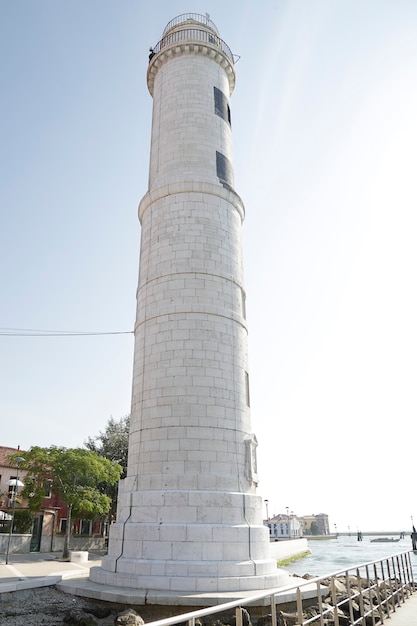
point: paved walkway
(25, 571)
(405, 615)
(41, 569)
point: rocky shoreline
(47, 606)
(350, 598)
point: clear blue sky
(325, 139)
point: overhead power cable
(32, 332)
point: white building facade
(284, 527)
(189, 519)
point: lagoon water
(332, 555)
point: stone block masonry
(189, 519)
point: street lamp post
(17, 483)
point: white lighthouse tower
(189, 520)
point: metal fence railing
(193, 35)
(364, 594)
(194, 17)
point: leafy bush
(23, 521)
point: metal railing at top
(365, 594)
(195, 17)
(192, 35)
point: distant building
(8, 472)
(316, 524)
(284, 527)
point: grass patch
(290, 559)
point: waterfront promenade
(35, 570)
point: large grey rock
(128, 618)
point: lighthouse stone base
(214, 542)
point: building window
(48, 488)
(243, 303)
(63, 525)
(221, 106)
(12, 489)
(224, 170)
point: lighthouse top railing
(195, 17)
(191, 33)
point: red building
(50, 522)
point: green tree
(76, 475)
(112, 444)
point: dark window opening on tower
(224, 170)
(221, 106)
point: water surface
(332, 555)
